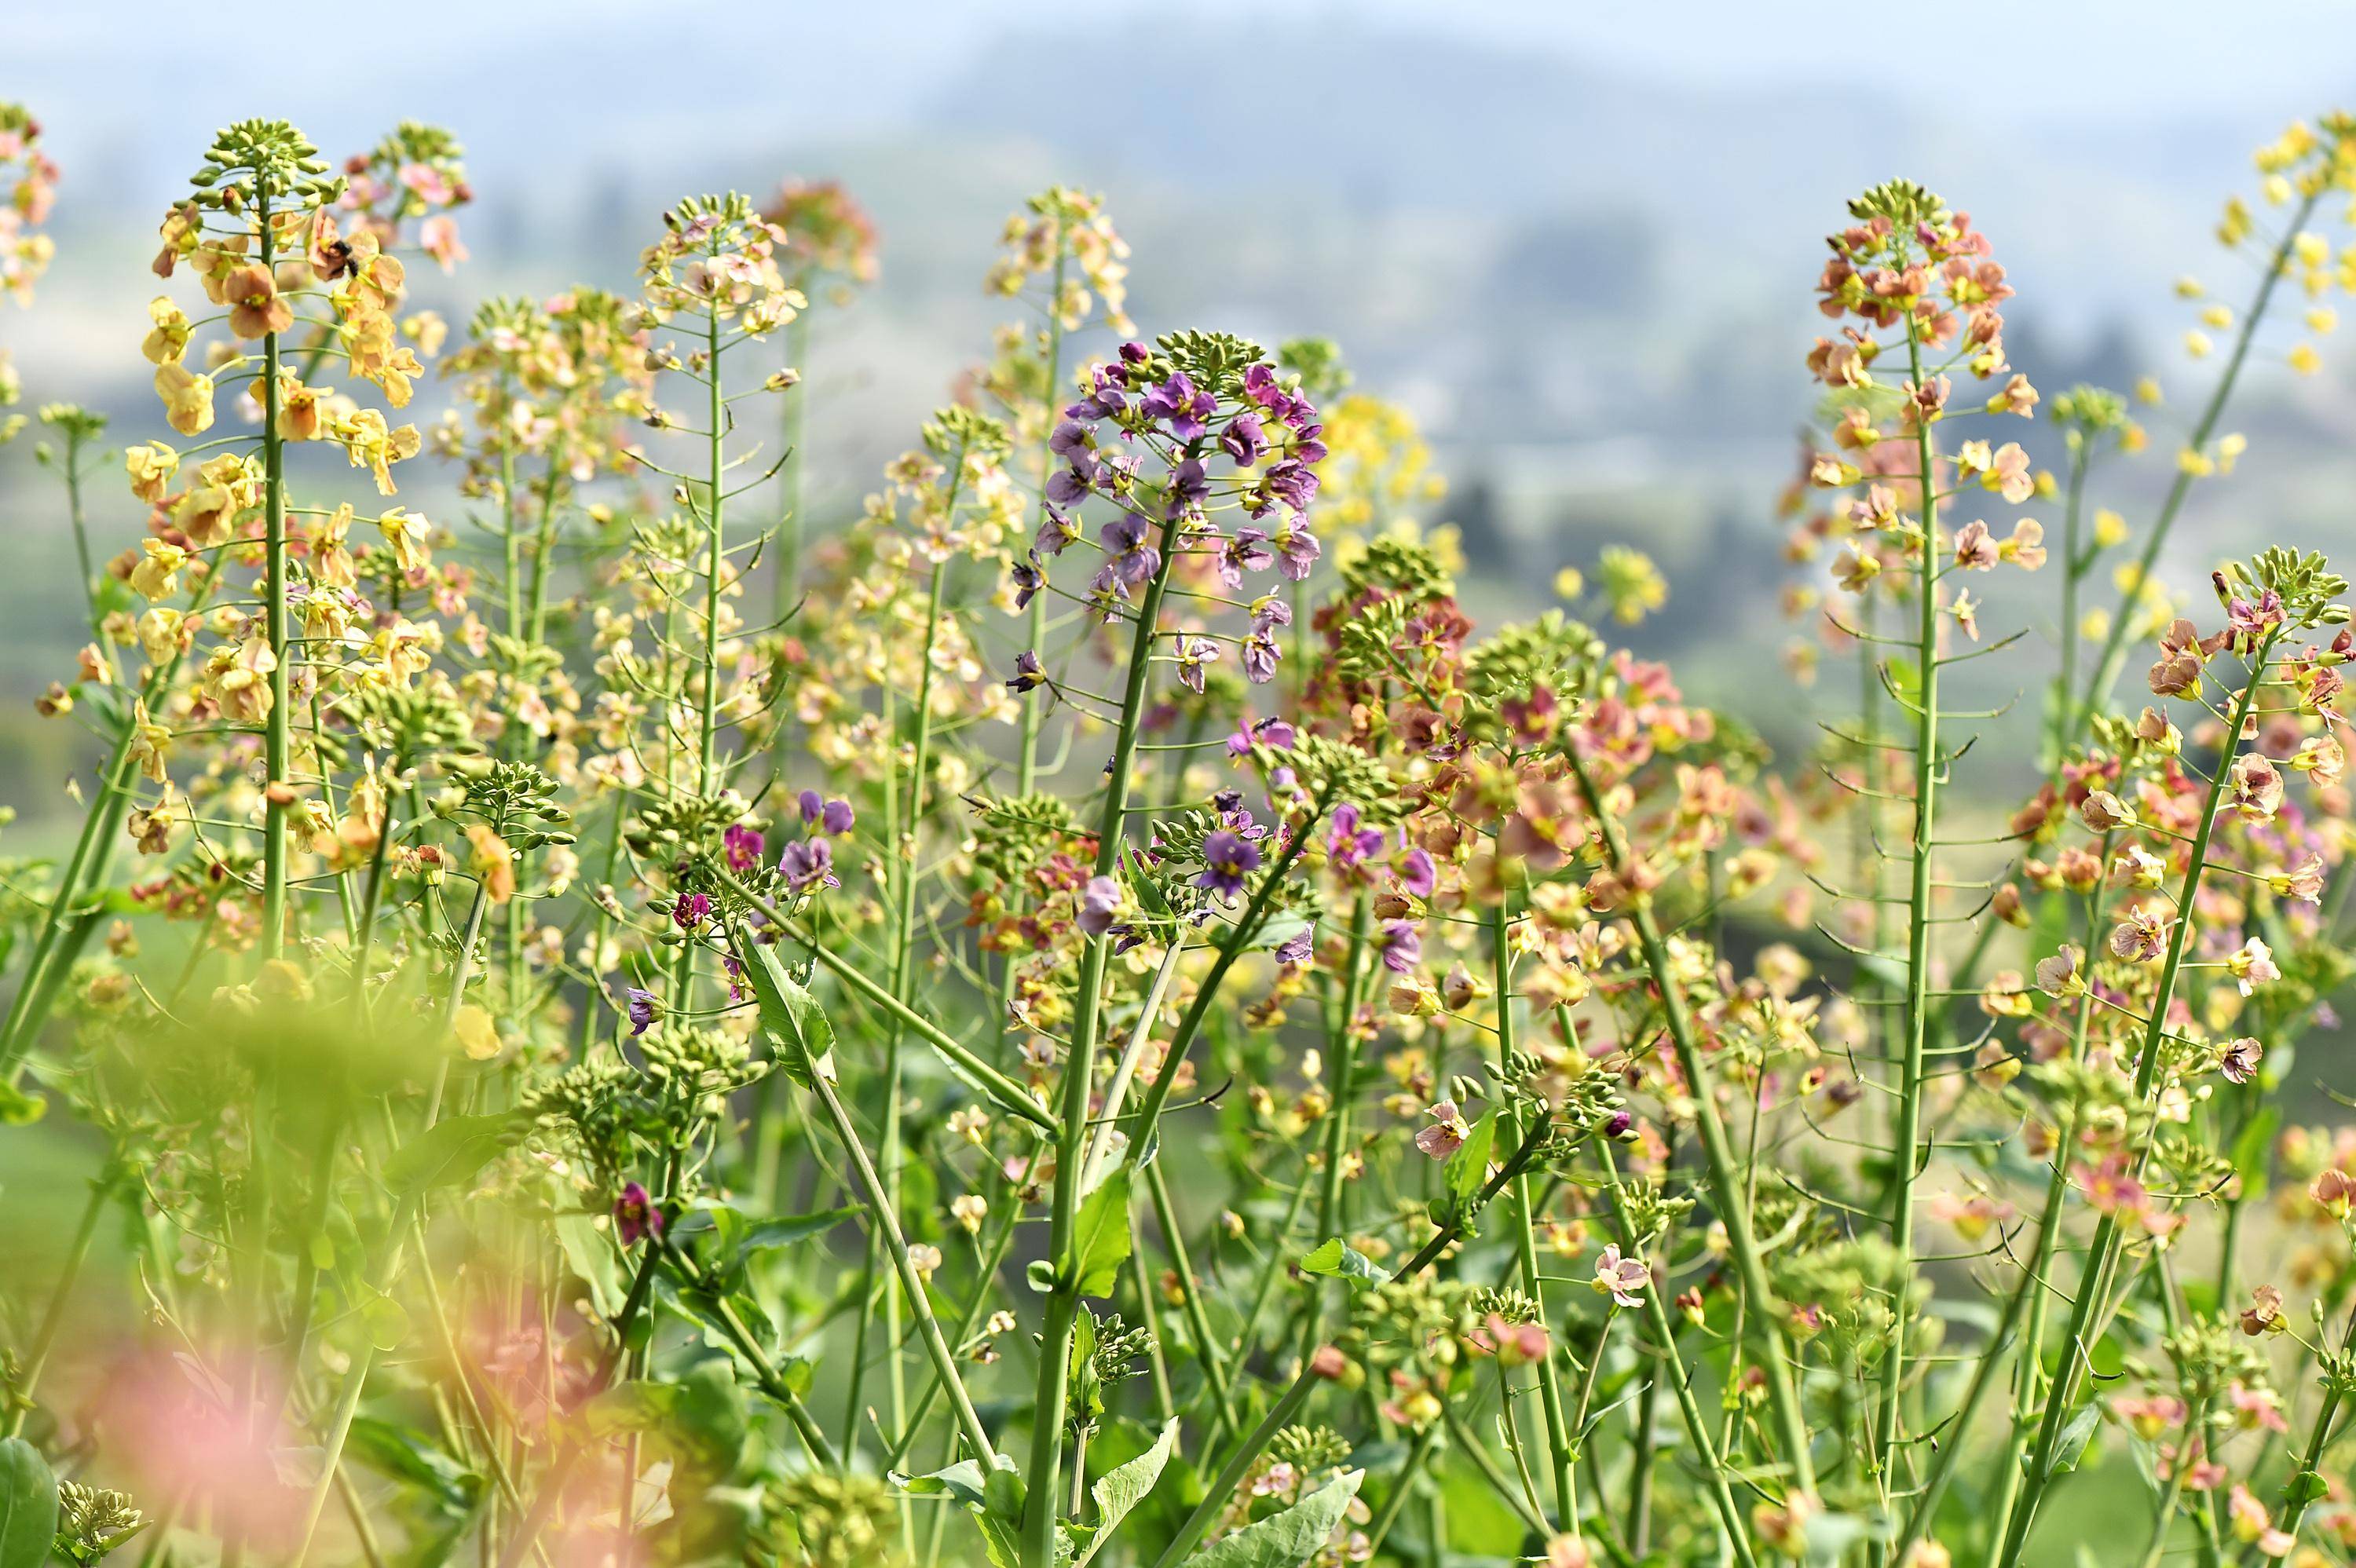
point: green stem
(276, 744)
(1719, 1166)
(1906, 1136)
(2104, 1251)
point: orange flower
(256, 307)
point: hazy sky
(587, 68)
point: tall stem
(1906, 1135)
(1040, 1510)
(2105, 1251)
(273, 511)
(1719, 1160)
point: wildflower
(1417, 874)
(2264, 1314)
(1620, 1278)
(641, 1005)
(742, 846)
(1401, 948)
(969, 1209)
(808, 863)
(188, 399)
(2256, 787)
(1195, 655)
(1099, 902)
(2254, 965)
(1227, 858)
(2102, 811)
(1974, 548)
(256, 308)
(1028, 673)
(2303, 881)
(2253, 1526)
(477, 1035)
(2140, 937)
(2238, 1060)
(1515, 1344)
(2334, 1191)
(1447, 1132)
(690, 910)
(635, 1215)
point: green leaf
(995, 1498)
(1468, 1169)
(634, 1407)
(29, 1505)
(1286, 1540)
(18, 1109)
(1102, 1239)
(452, 1150)
(2306, 1487)
(801, 1039)
(1332, 1260)
(2072, 1444)
(1118, 1490)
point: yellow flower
(151, 468)
(2197, 343)
(1568, 583)
(2110, 528)
(188, 397)
(168, 338)
(407, 533)
(2305, 359)
(158, 575)
(476, 1033)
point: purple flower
(1070, 438)
(691, 910)
(1066, 485)
(1260, 659)
(1055, 531)
(1417, 874)
(1227, 857)
(1129, 558)
(1248, 551)
(1296, 948)
(809, 862)
(1243, 439)
(1402, 946)
(641, 1007)
(1268, 611)
(734, 969)
(1189, 488)
(742, 846)
(636, 1216)
(1099, 902)
(1028, 580)
(1177, 401)
(1027, 673)
(1195, 655)
(826, 815)
(1297, 551)
(1347, 845)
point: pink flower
(1447, 1132)
(1620, 1278)
(635, 1215)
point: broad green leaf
(1468, 1167)
(1118, 1490)
(1286, 1540)
(801, 1038)
(452, 1150)
(1333, 1260)
(2304, 1487)
(995, 1498)
(1102, 1241)
(29, 1505)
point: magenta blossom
(636, 1216)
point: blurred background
(1577, 242)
